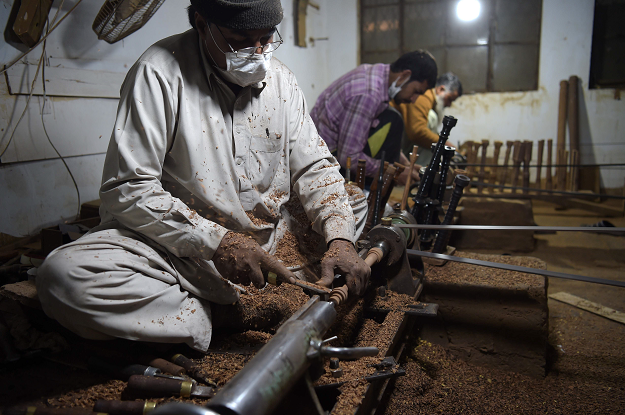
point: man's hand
(342, 255)
(240, 259)
(403, 177)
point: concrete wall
(566, 38)
(36, 189)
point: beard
(439, 107)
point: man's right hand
(239, 258)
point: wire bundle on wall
(50, 28)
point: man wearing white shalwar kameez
(196, 153)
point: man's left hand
(342, 256)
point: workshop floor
(586, 373)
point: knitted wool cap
(240, 14)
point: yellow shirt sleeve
(416, 119)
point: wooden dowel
(549, 183)
(574, 170)
(517, 157)
(482, 173)
(541, 146)
(495, 169)
(561, 138)
(504, 176)
(527, 158)
(413, 159)
(573, 115)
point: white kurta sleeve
(315, 175)
(131, 189)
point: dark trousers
(385, 137)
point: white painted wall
(566, 38)
(35, 188)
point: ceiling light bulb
(468, 9)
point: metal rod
(555, 192)
(513, 228)
(545, 273)
(461, 181)
(556, 165)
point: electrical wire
(30, 95)
(43, 123)
(16, 60)
(41, 59)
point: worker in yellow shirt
(422, 118)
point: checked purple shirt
(348, 108)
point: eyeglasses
(252, 50)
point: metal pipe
(442, 185)
(428, 178)
(267, 378)
(461, 181)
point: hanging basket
(119, 18)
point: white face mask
(394, 89)
(242, 70)
(246, 70)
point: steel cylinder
(267, 378)
(461, 181)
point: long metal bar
(553, 192)
(508, 267)
(513, 228)
(553, 165)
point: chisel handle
(36, 410)
(124, 407)
(147, 387)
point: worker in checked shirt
(353, 115)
